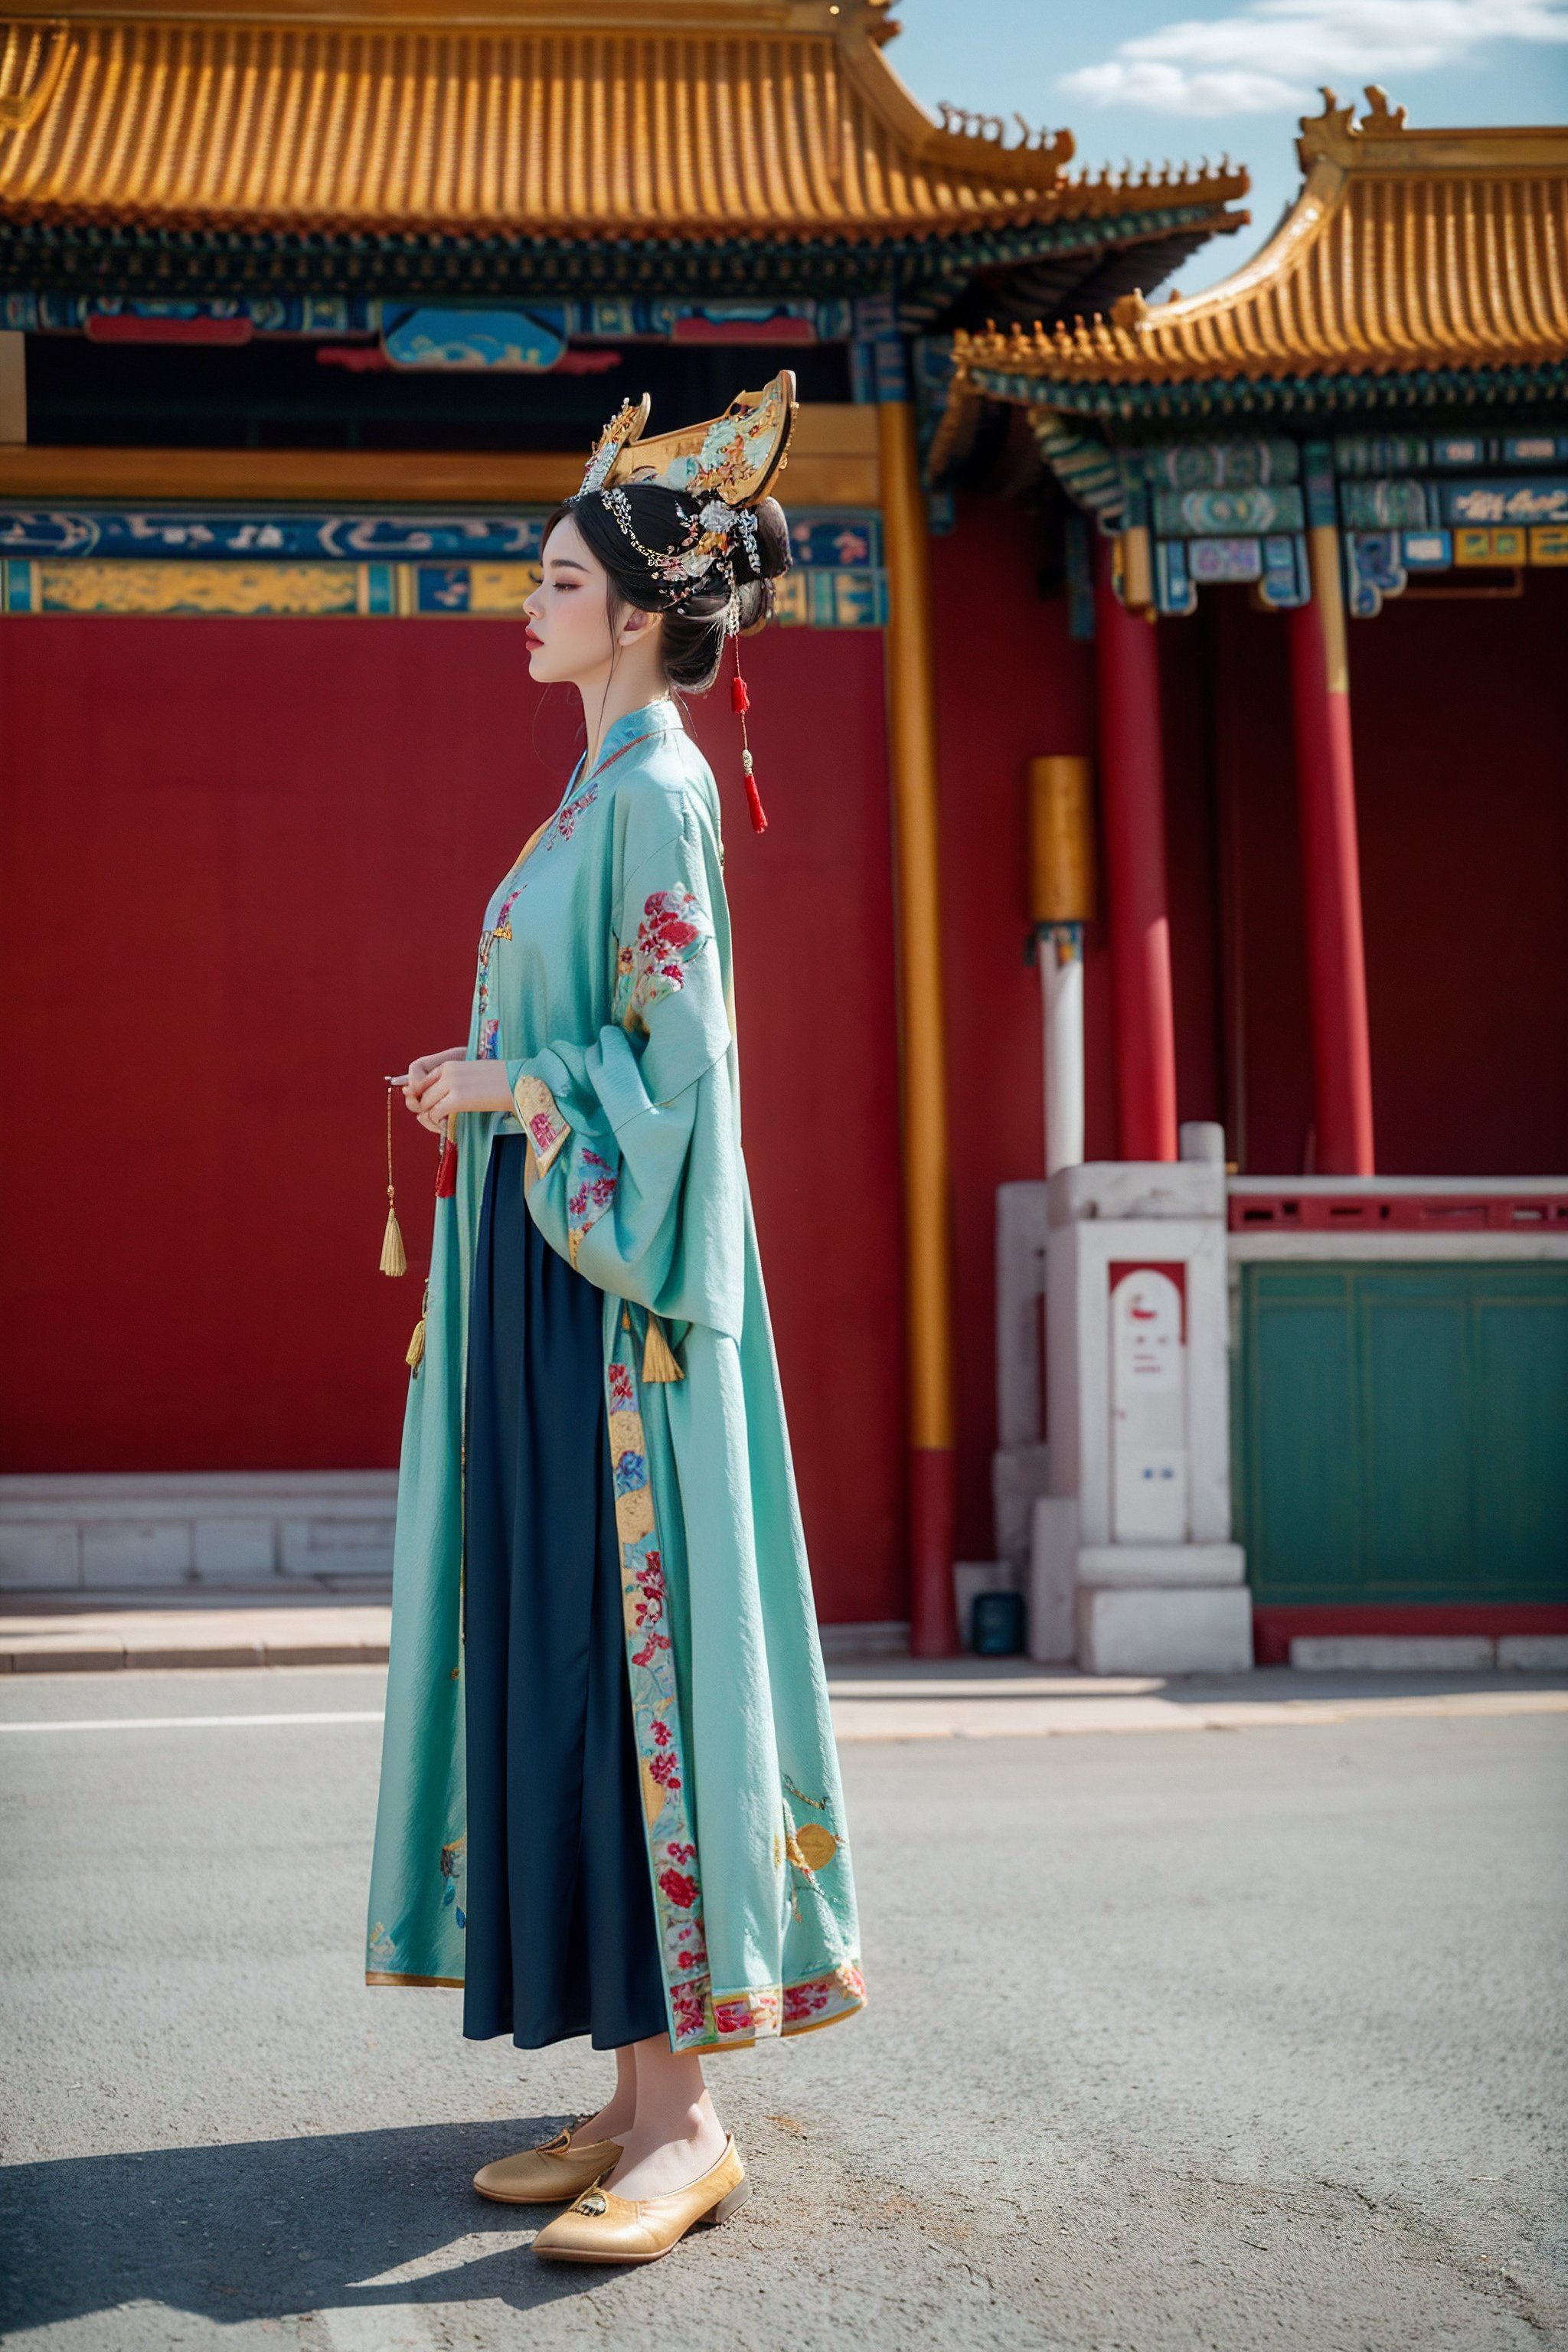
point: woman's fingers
(443, 1067)
(423, 1068)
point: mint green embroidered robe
(604, 986)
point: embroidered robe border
(698, 2018)
(656, 1710)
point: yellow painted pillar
(911, 732)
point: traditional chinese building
(1319, 516)
(310, 316)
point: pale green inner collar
(653, 718)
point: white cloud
(1277, 53)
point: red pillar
(1331, 863)
(1133, 798)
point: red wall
(246, 862)
(1010, 686)
(1460, 715)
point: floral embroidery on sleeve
(669, 936)
(540, 1118)
(591, 1197)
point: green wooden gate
(1402, 1432)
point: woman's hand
(419, 1075)
(439, 1088)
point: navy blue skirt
(560, 1932)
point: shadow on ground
(271, 2228)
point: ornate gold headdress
(720, 471)
(724, 467)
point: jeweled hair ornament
(720, 471)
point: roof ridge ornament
(1327, 135)
(1335, 134)
(1380, 116)
(1046, 152)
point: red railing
(1395, 1210)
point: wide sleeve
(636, 1157)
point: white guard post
(1134, 1535)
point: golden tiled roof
(734, 118)
(1405, 250)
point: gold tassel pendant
(415, 1354)
(657, 1363)
(393, 1256)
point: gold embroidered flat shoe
(551, 2175)
(604, 2228)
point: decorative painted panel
(1505, 501)
(191, 535)
(511, 340)
(1236, 509)
(806, 599)
(1192, 514)
(105, 560)
(1232, 463)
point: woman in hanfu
(609, 1799)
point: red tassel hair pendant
(740, 703)
(754, 798)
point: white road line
(914, 1718)
(192, 1722)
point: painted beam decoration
(257, 564)
(1418, 503)
(1234, 510)
(464, 336)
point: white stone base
(1540, 1651)
(1145, 1565)
(92, 1533)
(1164, 1630)
(1412, 1654)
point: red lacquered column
(1132, 797)
(1331, 863)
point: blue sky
(1158, 78)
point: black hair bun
(773, 554)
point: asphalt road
(1242, 2040)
